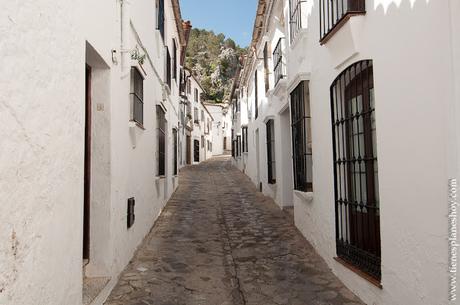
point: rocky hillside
(213, 59)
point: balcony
(297, 17)
(278, 62)
(335, 13)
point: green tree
(214, 60)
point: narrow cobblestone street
(220, 242)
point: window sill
(304, 196)
(360, 273)
(133, 124)
(159, 178)
(279, 88)
(338, 26)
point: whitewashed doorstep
(306, 197)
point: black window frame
(271, 155)
(161, 129)
(334, 14)
(137, 96)
(279, 68)
(356, 188)
(168, 68)
(175, 147)
(161, 18)
(174, 60)
(302, 154)
(244, 132)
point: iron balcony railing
(278, 62)
(295, 14)
(332, 12)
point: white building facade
(197, 123)
(90, 152)
(221, 128)
(332, 111)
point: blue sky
(234, 18)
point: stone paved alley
(220, 242)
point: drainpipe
(125, 52)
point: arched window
(355, 168)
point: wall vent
(131, 215)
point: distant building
(221, 130)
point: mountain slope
(213, 59)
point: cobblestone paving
(220, 242)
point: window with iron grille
(161, 121)
(202, 115)
(301, 138)
(168, 68)
(357, 205)
(189, 86)
(279, 66)
(175, 151)
(266, 69)
(333, 13)
(174, 60)
(295, 14)
(245, 138)
(233, 143)
(137, 96)
(271, 159)
(161, 17)
(256, 92)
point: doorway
(189, 149)
(196, 150)
(87, 167)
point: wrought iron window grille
(137, 96)
(271, 159)
(357, 206)
(301, 138)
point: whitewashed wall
(409, 120)
(42, 102)
(41, 160)
(414, 47)
(220, 127)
